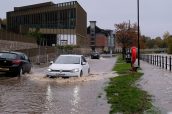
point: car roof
(72, 55)
(14, 52)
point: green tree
(37, 35)
(169, 44)
(166, 35)
(4, 21)
(144, 41)
(165, 39)
(159, 42)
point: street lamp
(138, 29)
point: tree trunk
(123, 52)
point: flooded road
(36, 94)
(158, 83)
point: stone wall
(14, 45)
(10, 36)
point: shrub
(170, 46)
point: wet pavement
(158, 83)
(36, 94)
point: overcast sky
(155, 15)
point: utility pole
(138, 33)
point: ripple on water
(91, 77)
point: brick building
(103, 39)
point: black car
(14, 63)
(95, 55)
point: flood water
(158, 83)
(36, 94)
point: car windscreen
(8, 55)
(68, 60)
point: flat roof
(44, 5)
(33, 6)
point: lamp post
(138, 29)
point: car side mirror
(51, 62)
(83, 63)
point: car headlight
(75, 70)
(49, 69)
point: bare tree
(126, 35)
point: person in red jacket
(133, 57)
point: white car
(69, 66)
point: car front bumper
(63, 74)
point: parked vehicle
(95, 55)
(14, 63)
(69, 66)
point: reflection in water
(49, 98)
(75, 100)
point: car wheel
(81, 73)
(88, 71)
(29, 70)
(20, 72)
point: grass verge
(123, 94)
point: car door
(85, 65)
(26, 63)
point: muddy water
(36, 94)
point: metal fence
(162, 61)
